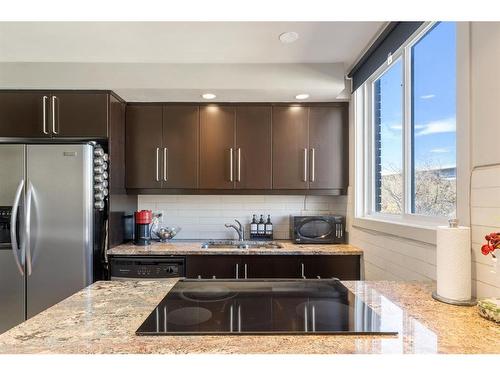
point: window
(433, 129)
(388, 140)
(410, 132)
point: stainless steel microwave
(317, 229)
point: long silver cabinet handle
(165, 164)
(305, 318)
(28, 229)
(313, 318)
(231, 177)
(231, 318)
(54, 101)
(246, 270)
(236, 267)
(302, 270)
(313, 166)
(239, 318)
(305, 166)
(238, 177)
(13, 222)
(44, 114)
(157, 164)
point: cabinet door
(116, 146)
(80, 115)
(328, 146)
(143, 146)
(217, 147)
(290, 147)
(270, 266)
(22, 114)
(343, 267)
(180, 146)
(210, 266)
(253, 159)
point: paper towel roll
(454, 263)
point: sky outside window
(434, 121)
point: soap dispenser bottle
(269, 227)
(253, 227)
(261, 227)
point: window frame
(364, 99)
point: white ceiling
(178, 61)
(184, 42)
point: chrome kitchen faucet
(239, 229)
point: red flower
(493, 243)
(486, 249)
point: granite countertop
(103, 318)
(194, 248)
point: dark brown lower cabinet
(270, 266)
(343, 267)
(212, 266)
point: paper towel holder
(453, 223)
(470, 302)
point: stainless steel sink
(230, 244)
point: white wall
(204, 216)
(485, 140)
(182, 82)
(485, 218)
(395, 258)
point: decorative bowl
(167, 233)
(489, 308)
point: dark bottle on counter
(269, 227)
(253, 227)
(261, 227)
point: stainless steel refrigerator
(46, 226)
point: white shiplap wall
(204, 216)
(388, 257)
(485, 218)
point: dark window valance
(393, 37)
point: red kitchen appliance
(142, 224)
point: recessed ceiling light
(289, 37)
(301, 96)
(209, 96)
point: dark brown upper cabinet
(310, 146)
(180, 146)
(162, 146)
(143, 146)
(52, 114)
(237, 147)
(217, 125)
(24, 114)
(79, 115)
(253, 147)
(290, 147)
(328, 147)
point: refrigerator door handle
(28, 230)
(13, 225)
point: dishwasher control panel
(146, 267)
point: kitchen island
(103, 318)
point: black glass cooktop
(260, 307)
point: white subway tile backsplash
(204, 216)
